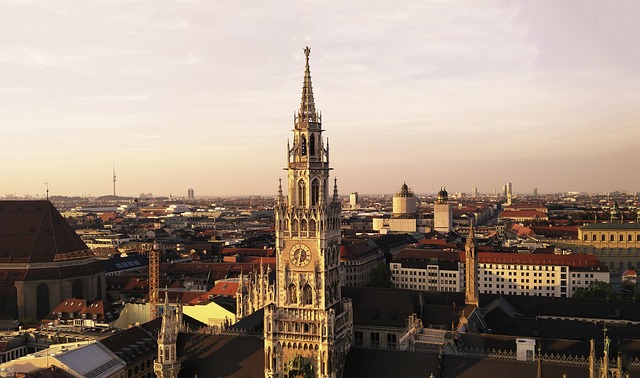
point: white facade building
(498, 273)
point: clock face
(300, 255)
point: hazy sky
(201, 94)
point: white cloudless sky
(201, 94)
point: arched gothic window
(307, 295)
(302, 193)
(593, 237)
(315, 192)
(42, 298)
(76, 289)
(303, 149)
(312, 145)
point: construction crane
(154, 280)
(153, 254)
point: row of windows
(521, 267)
(537, 294)
(374, 339)
(612, 237)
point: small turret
(615, 213)
(443, 196)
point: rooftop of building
(391, 307)
(523, 214)
(131, 344)
(75, 308)
(34, 231)
(560, 318)
(202, 354)
(611, 227)
(423, 257)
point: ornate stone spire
(280, 197)
(471, 240)
(167, 365)
(307, 112)
(471, 274)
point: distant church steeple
(471, 276)
(615, 213)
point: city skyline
(188, 94)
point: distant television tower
(114, 180)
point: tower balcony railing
(301, 234)
(299, 336)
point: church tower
(167, 364)
(442, 214)
(471, 262)
(308, 328)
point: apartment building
(547, 275)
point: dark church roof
(220, 355)
(390, 307)
(463, 367)
(374, 363)
(34, 231)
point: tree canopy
(380, 276)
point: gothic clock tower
(308, 328)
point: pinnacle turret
(307, 112)
(471, 240)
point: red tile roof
(573, 260)
(532, 214)
(76, 308)
(260, 252)
(225, 288)
(34, 231)
(441, 243)
(356, 250)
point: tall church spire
(471, 274)
(307, 112)
(308, 304)
(167, 364)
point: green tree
(380, 276)
(596, 289)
